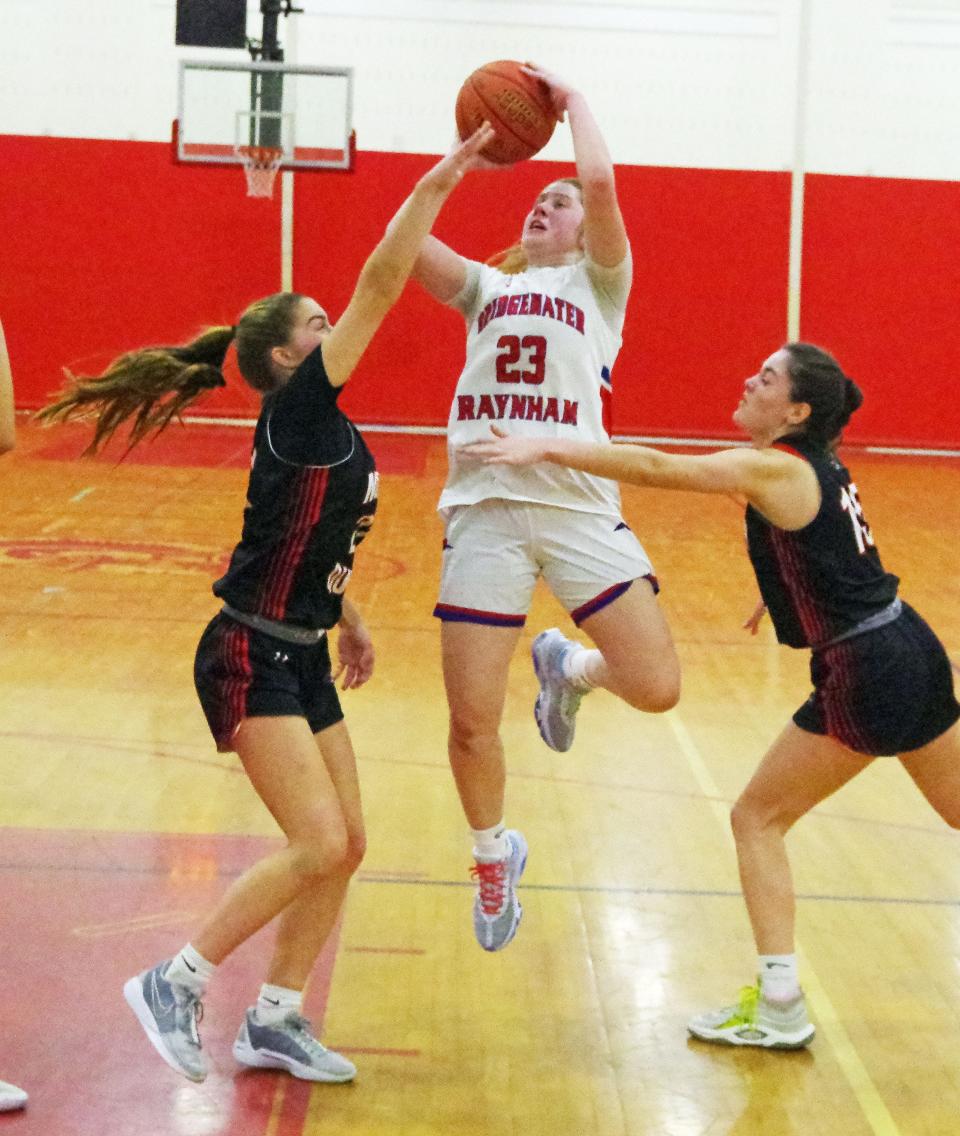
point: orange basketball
(516, 105)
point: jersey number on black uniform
(850, 503)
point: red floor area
(81, 912)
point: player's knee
(750, 818)
(472, 735)
(743, 820)
(665, 696)
(355, 852)
(321, 854)
(654, 695)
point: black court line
(560, 889)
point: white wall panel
(94, 70)
(885, 88)
(702, 83)
(685, 84)
(694, 83)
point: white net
(260, 164)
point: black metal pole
(266, 88)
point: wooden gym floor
(122, 824)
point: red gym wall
(110, 245)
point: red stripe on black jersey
(798, 584)
(287, 559)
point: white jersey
(540, 348)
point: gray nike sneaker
(169, 1014)
(290, 1045)
(559, 700)
(11, 1097)
(756, 1021)
(496, 908)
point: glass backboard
(306, 112)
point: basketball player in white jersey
(543, 331)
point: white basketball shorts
(494, 552)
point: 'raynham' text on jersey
(311, 499)
(540, 349)
(821, 580)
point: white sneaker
(169, 1014)
(559, 700)
(11, 1098)
(756, 1021)
(290, 1045)
(496, 908)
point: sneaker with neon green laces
(756, 1021)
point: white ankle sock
(779, 977)
(276, 1002)
(581, 667)
(189, 968)
(491, 843)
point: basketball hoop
(260, 164)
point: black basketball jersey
(311, 498)
(821, 580)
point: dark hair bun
(852, 396)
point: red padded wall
(881, 289)
(110, 245)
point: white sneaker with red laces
(496, 909)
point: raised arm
(783, 487)
(605, 234)
(389, 265)
(8, 430)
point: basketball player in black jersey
(882, 682)
(263, 670)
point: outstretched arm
(604, 232)
(8, 430)
(783, 487)
(389, 265)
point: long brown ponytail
(152, 386)
(149, 387)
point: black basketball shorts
(242, 673)
(883, 693)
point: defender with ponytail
(882, 681)
(263, 670)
